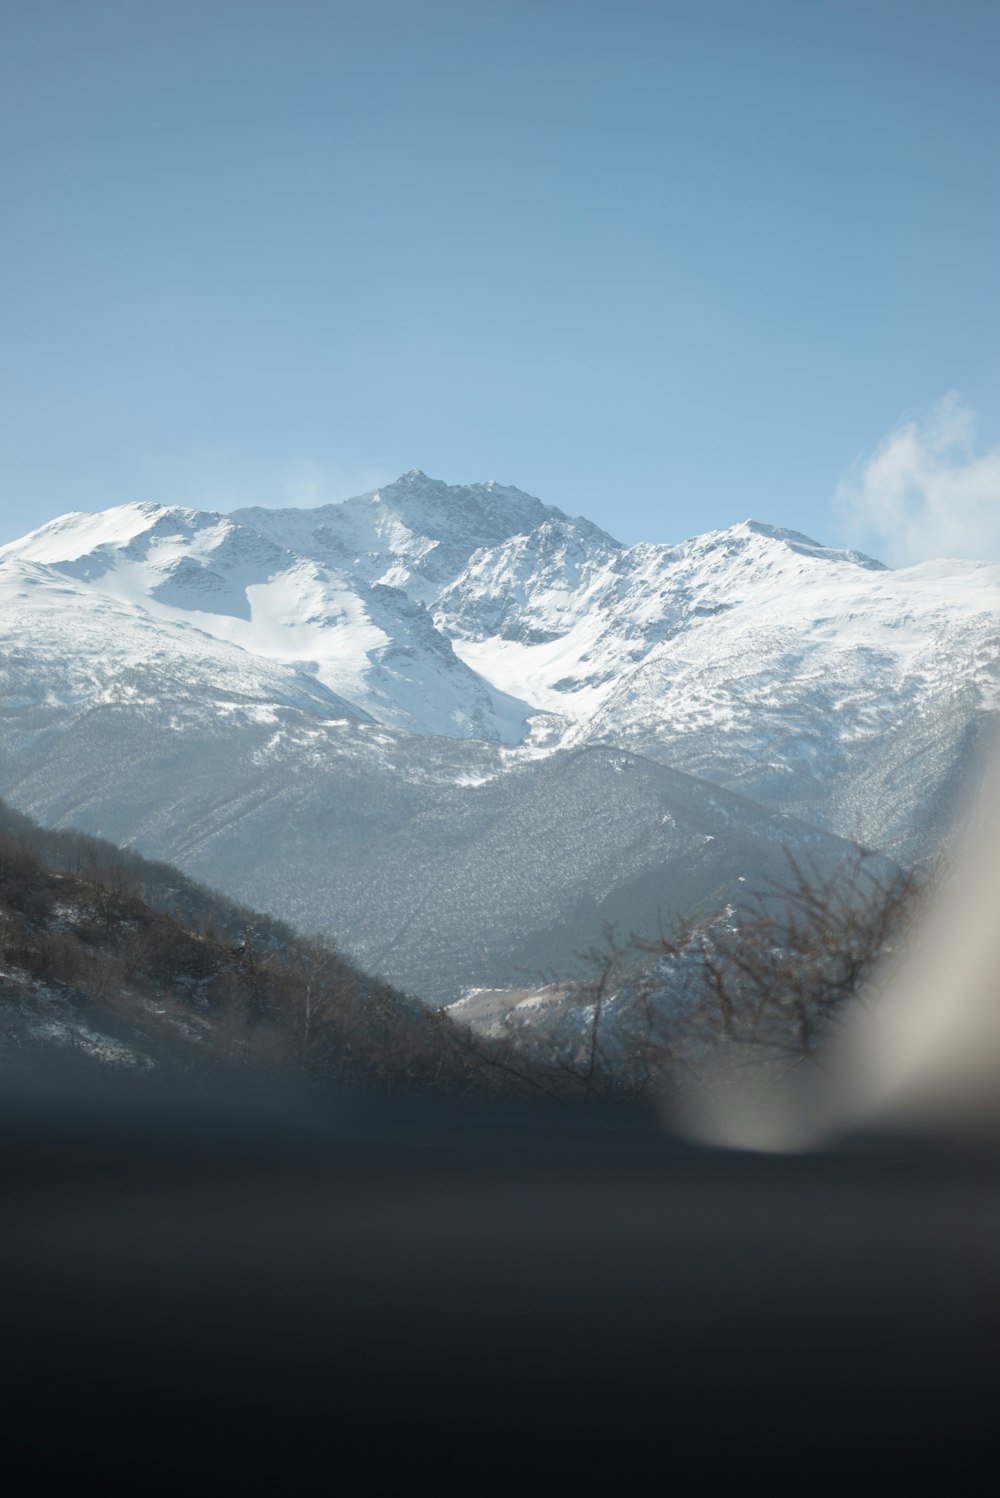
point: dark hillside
(118, 960)
(209, 1281)
(112, 959)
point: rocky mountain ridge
(457, 728)
(816, 681)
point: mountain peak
(795, 541)
(80, 532)
(753, 655)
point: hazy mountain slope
(438, 862)
(110, 961)
(402, 719)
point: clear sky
(664, 264)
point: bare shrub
(777, 982)
(18, 859)
(767, 984)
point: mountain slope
(439, 862)
(814, 680)
(360, 637)
(447, 724)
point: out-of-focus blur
(927, 1048)
(248, 1291)
(219, 1289)
(922, 1048)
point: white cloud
(299, 483)
(305, 484)
(925, 492)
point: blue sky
(666, 265)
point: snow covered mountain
(456, 727)
(439, 862)
(816, 681)
(334, 606)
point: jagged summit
(800, 674)
(459, 729)
(803, 544)
(490, 509)
(759, 543)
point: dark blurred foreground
(237, 1293)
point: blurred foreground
(213, 1292)
(209, 1283)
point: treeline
(762, 992)
(199, 984)
(196, 983)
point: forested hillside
(116, 960)
(113, 959)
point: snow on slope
(439, 863)
(361, 637)
(815, 681)
(545, 604)
(79, 648)
(416, 533)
